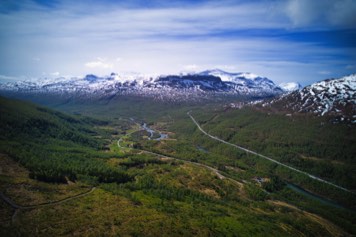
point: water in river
(202, 149)
(152, 132)
(313, 196)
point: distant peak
(90, 78)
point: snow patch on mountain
(327, 95)
(231, 77)
(290, 86)
(334, 97)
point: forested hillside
(55, 147)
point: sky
(285, 40)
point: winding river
(152, 132)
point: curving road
(170, 157)
(216, 171)
(20, 207)
(16, 206)
(267, 158)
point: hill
(53, 146)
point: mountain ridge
(195, 86)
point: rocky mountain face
(207, 84)
(335, 97)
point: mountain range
(165, 87)
(334, 97)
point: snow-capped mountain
(172, 87)
(290, 86)
(241, 78)
(334, 97)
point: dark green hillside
(21, 120)
(55, 147)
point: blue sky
(290, 40)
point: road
(16, 206)
(169, 157)
(265, 157)
(220, 176)
(20, 207)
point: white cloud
(5, 78)
(56, 74)
(137, 23)
(98, 64)
(324, 72)
(351, 67)
(322, 13)
(231, 68)
(190, 67)
(100, 59)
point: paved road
(265, 157)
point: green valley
(98, 172)
(229, 118)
